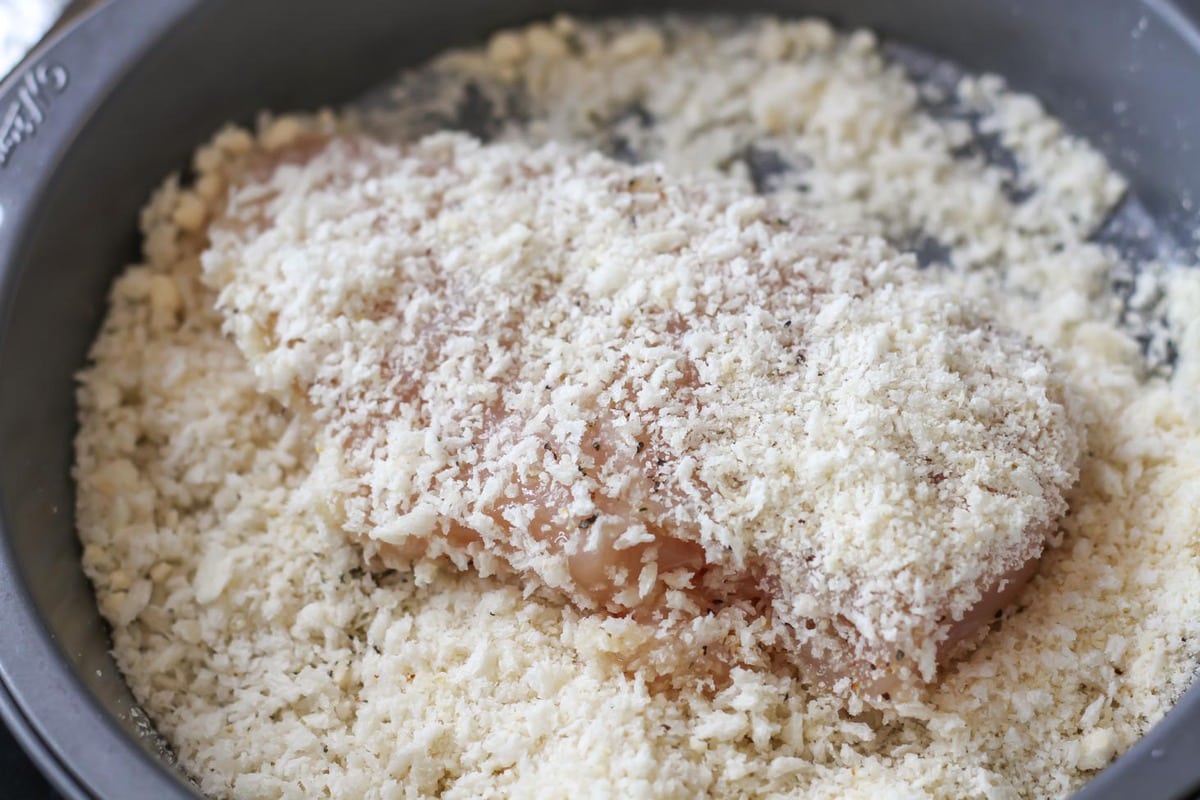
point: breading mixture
(652, 396)
(279, 663)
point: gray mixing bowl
(94, 120)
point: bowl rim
(75, 742)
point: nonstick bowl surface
(122, 97)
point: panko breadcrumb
(277, 665)
(651, 395)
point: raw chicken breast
(666, 401)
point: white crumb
(276, 665)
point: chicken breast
(662, 400)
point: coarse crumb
(278, 665)
(587, 369)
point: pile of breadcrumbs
(277, 664)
